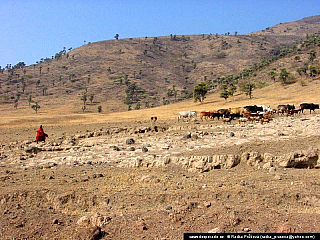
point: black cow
(309, 106)
(254, 108)
(285, 108)
(291, 107)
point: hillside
(154, 71)
(308, 25)
(118, 175)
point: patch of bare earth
(157, 181)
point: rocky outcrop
(251, 158)
(300, 159)
(192, 163)
(267, 161)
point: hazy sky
(35, 29)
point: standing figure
(41, 135)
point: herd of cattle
(254, 113)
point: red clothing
(41, 135)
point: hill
(154, 71)
(116, 175)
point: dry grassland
(153, 203)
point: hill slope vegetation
(145, 72)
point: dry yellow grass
(62, 114)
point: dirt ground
(78, 186)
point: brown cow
(238, 110)
(205, 115)
(293, 112)
(265, 120)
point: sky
(35, 29)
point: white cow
(186, 114)
(265, 108)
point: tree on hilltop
(116, 36)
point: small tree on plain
(232, 90)
(91, 97)
(99, 109)
(24, 85)
(273, 75)
(224, 87)
(284, 75)
(137, 107)
(44, 91)
(15, 104)
(35, 107)
(84, 98)
(29, 99)
(224, 94)
(312, 55)
(313, 71)
(248, 89)
(199, 91)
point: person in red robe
(41, 135)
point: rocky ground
(159, 180)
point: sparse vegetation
(175, 61)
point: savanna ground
(44, 197)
